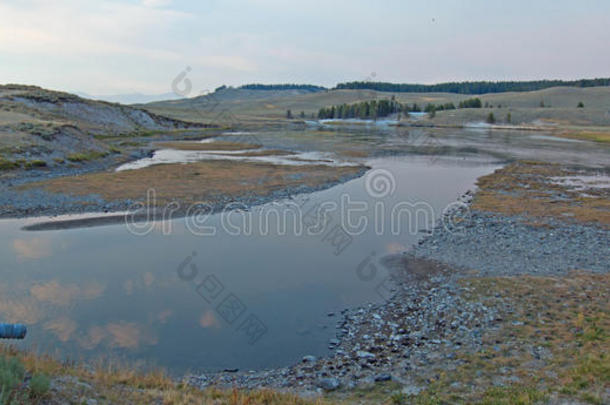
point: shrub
(581, 104)
(491, 119)
(11, 375)
(84, 157)
(76, 157)
(8, 165)
(31, 164)
(399, 398)
(39, 386)
(471, 103)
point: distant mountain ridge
(131, 98)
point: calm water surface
(93, 292)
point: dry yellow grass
(267, 152)
(204, 181)
(552, 344)
(123, 385)
(525, 188)
(355, 153)
(212, 146)
(566, 317)
(602, 137)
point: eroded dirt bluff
(43, 128)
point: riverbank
(214, 180)
(509, 304)
(499, 307)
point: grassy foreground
(551, 345)
(75, 384)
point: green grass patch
(514, 395)
(146, 133)
(16, 164)
(86, 156)
(601, 137)
(32, 164)
(8, 164)
(39, 386)
(12, 374)
(12, 388)
(129, 143)
(46, 131)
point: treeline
(480, 87)
(257, 86)
(382, 108)
(364, 110)
(471, 103)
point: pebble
(365, 355)
(329, 384)
(505, 245)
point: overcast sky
(110, 46)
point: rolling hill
(560, 105)
(45, 127)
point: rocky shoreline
(425, 320)
(431, 323)
(435, 321)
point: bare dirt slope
(40, 127)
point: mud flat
(213, 183)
